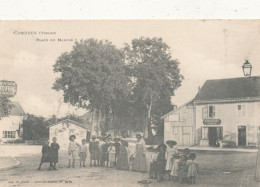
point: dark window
(211, 111)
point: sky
(206, 49)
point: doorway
(186, 139)
(212, 136)
(242, 136)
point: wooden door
(242, 136)
(186, 139)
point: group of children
(104, 151)
(178, 166)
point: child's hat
(71, 136)
(171, 142)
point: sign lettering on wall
(211, 121)
(8, 88)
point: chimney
(199, 90)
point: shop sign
(8, 88)
(211, 121)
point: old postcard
(130, 103)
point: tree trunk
(149, 125)
(92, 122)
(113, 121)
(98, 121)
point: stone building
(10, 126)
(223, 110)
(63, 129)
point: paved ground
(216, 169)
(7, 162)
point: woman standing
(45, 154)
(140, 163)
(122, 162)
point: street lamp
(247, 68)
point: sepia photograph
(130, 103)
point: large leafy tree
(34, 128)
(153, 71)
(92, 76)
(161, 107)
(5, 106)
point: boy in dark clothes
(183, 170)
(105, 154)
(92, 151)
(45, 154)
(54, 153)
(153, 164)
(117, 147)
(161, 162)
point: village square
(132, 108)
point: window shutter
(204, 112)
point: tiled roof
(17, 110)
(234, 88)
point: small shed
(62, 130)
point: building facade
(179, 125)
(10, 126)
(224, 110)
(228, 110)
(64, 129)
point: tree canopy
(34, 128)
(156, 74)
(129, 88)
(92, 74)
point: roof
(189, 103)
(70, 121)
(17, 110)
(234, 88)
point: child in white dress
(192, 168)
(175, 167)
(153, 165)
(112, 154)
(170, 152)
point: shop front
(212, 132)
